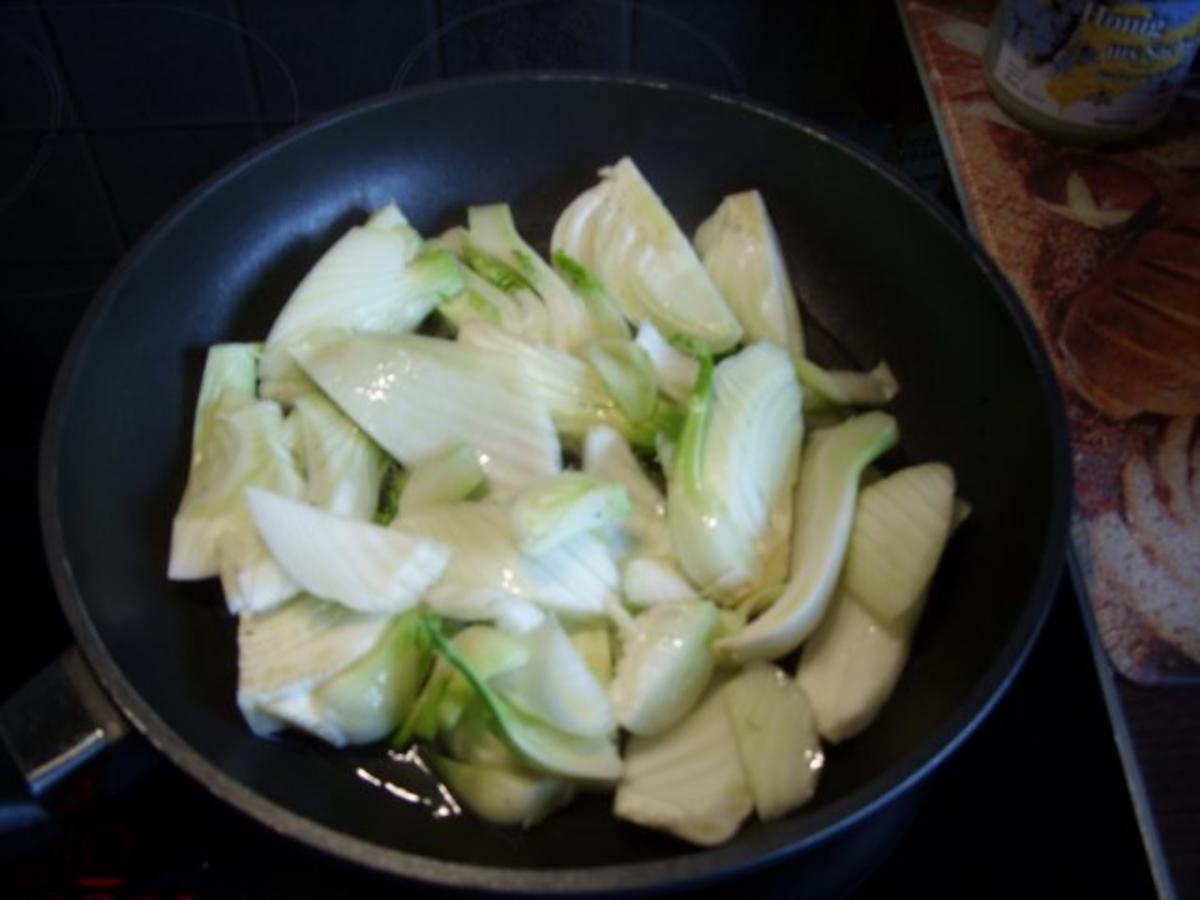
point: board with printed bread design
(1104, 248)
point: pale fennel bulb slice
(675, 372)
(361, 565)
(369, 699)
(592, 760)
(419, 396)
(571, 391)
(221, 459)
(853, 661)
(577, 579)
(572, 323)
(627, 373)
(372, 279)
(647, 581)
(826, 494)
(549, 511)
(607, 318)
(666, 662)
(900, 529)
(595, 645)
(368, 281)
(730, 483)
(849, 668)
(452, 475)
(343, 467)
(621, 231)
(363, 702)
(286, 652)
(557, 686)
(245, 442)
(741, 251)
(687, 781)
(447, 704)
(501, 299)
(502, 796)
(606, 454)
(776, 738)
(844, 387)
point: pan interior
(879, 277)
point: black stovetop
(112, 110)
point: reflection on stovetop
(113, 110)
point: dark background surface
(111, 111)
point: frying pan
(882, 273)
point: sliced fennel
(622, 232)
(251, 579)
(741, 251)
(389, 218)
(474, 738)
(665, 665)
(839, 387)
(447, 696)
(647, 581)
(546, 749)
(687, 781)
(557, 686)
(218, 448)
(416, 477)
(849, 668)
(359, 564)
(506, 611)
(448, 477)
(606, 315)
(418, 396)
(675, 372)
(776, 738)
(502, 796)
(577, 579)
(230, 371)
(571, 391)
(594, 644)
(245, 443)
(492, 230)
(286, 652)
(729, 622)
(627, 373)
(727, 497)
(368, 281)
(606, 454)
(363, 283)
(505, 300)
(825, 502)
(900, 529)
(853, 661)
(343, 468)
(280, 379)
(550, 511)
(369, 699)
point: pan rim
(701, 865)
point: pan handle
(51, 727)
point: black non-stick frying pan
(881, 273)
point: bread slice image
(1131, 339)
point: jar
(1090, 71)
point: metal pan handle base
(55, 724)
